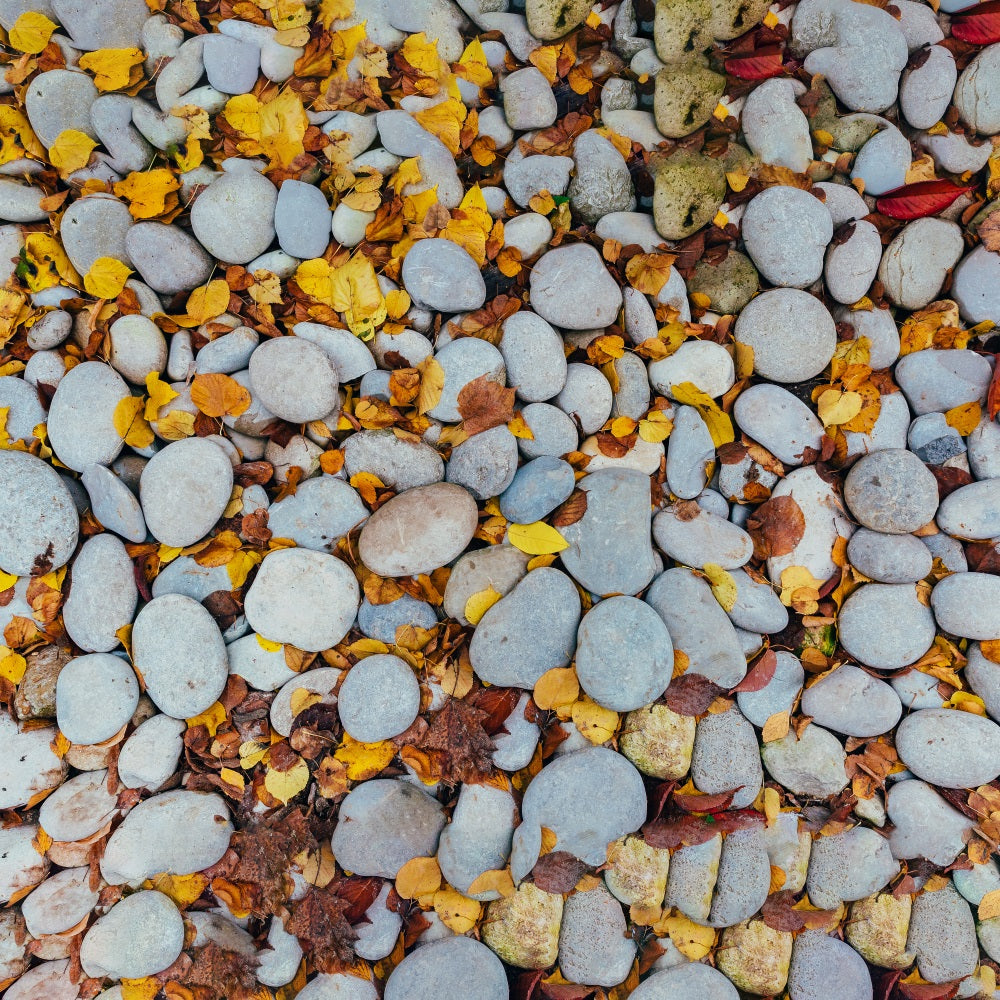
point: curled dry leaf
(776, 527)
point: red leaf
(993, 394)
(927, 991)
(358, 892)
(691, 694)
(885, 982)
(914, 201)
(760, 675)
(979, 25)
(704, 803)
(558, 871)
(762, 64)
(949, 479)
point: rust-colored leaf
(776, 527)
(914, 201)
(572, 510)
(760, 674)
(484, 404)
(558, 871)
(759, 65)
(691, 694)
(978, 25)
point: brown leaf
(558, 871)
(989, 231)
(949, 478)
(776, 527)
(319, 923)
(254, 527)
(484, 404)
(358, 892)
(778, 913)
(691, 694)
(704, 803)
(759, 675)
(572, 510)
(927, 991)
(457, 731)
(227, 973)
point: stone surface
(95, 697)
(379, 698)
(141, 935)
(950, 749)
(81, 416)
(572, 289)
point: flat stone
(854, 703)
(936, 381)
(849, 866)
(478, 838)
(593, 945)
(419, 530)
(778, 695)
(464, 360)
(886, 626)
(440, 275)
(972, 511)
(658, 741)
(320, 512)
(602, 183)
(851, 266)
(965, 604)
(950, 749)
(58, 100)
(537, 489)
(384, 823)
(39, 523)
(974, 286)
(889, 558)
(294, 379)
(983, 676)
(93, 227)
(103, 595)
(587, 397)
(350, 355)
(812, 764)
(818, 960)
(445, 968)
(81, 416)
(689, 189)
(572, 289)
(685, 981)
(693, 536)
(184, 490)
(301, 219)
(178, 650)
(687, 91)
(150, 755)
(29, 766)
(21, 867)
(139, 936)
(379, 698)
(891, 491)
(726, 758)
(553, 431)
(943, 935)
(233, 218)
(775, 127)
(167, 257)
(289, 585)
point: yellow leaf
(445, 121)
(112, 68)
(364, 760)
(964, 418)
(147, 193)
(966, 702)
(772, 804)
(431, 384)
(274, 130)
(16, 136)
(12, 665)
(130, 423)
(692, 940)
(106, 278)
(989, 905)
(176, 425)
(479, 603)
(418, 877)
(775, 727)
(140, 989)
(498, 880)
(595, 723)
(71, 151)
(47, 263)
(800, 590)
(835, 407)
(204, 304)
(285, 785)
(252, 753)
(649, 272)
(536, 539)
(423, 56)
(351, 289)
(397, 302)
(211, 718)
(31, 32)
(159, 395)
(723, 585)
(182, 889)
(718, 422)
(556, 688)
(457, 912)
(655, 427)
(473, 65)
(334, 10)
(7, 580)
(268, 645)
(238, 568)
(519, 428)
(218, 395)
(234, 778)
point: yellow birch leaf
(649, 272)
(655, 427)
(536, 539)
(31, 32)
(182, 889)
(520, 429)
(130, 423)
(7, 580)
(423, 56)
(556, 687)
(418, 877)
(334, 10)
(12, 665)
(498, 880)
(473, 65)
(718, 422)
(70, 151)
(723, 585)
(112, 68)
(989, 905)
(147, 192)
(457, 912)
(431, 384)
(106, 278)
(140, 989)
(444, 120)
(775, 727)
(160, 394)
(692, 940)
(211, 718)
(234, 778)
(285, 785)
(218, 395)
(772, 804)
(397, 302)
(176, 425)
(479, 603)
(364, 760)
(964, 418)
(252, 753)
(835, 407)
(595, 723)
(239, 566)
(207, 302)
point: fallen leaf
(479, 603)
(182, 889)
(776, 527)
(692, 940)
(719, 424)
(915, 201)
(558, 871)
(649, 272)
(536, 539)
(112, 68)
(496, 880)
(775, 727)
(148, 193)
(106, 278)
(364, 760)
(130, 423)
(457, 912)
(572, 510)
(964, 418)
(723, 585)
(418, 877)
(31, 32)
(989, 228)
(218, 395)
(761, 65)
(596, 723)
(835, 406)
(978, 24)
(557, 687)
(285, 785)
(690, 694)
(989, 905)
(71, 151)
(484, 404)
(759, 676)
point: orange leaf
(218, 395)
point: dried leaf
(484, 404)
(692, 940)
(536, 539)
(775, 727)
(558, 872)
(556, 688)
(691, 694)
(571, 511)
(649, 272)
(31, 32)
(479, 603)
(218, 395)
(418, 877)
(776, 527)
(106, 278)
(113, 68)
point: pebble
(684, 981)
(523, 929)
(383, 823)
(891, 491)
(812, 764)
(689, 453)
(464, 360)
(79, 808)
(775, 127)
(851, 266)
(295, 379)
(976, 95)
(501, 567)
(936, 381)
(377, 936)
(851, 702)
(301, 218)
(533, 355)
(950, 749)
(925, 92)
(289, 585)
(233, 218)
(786, 232)
(379, 698)
(587, 397)
(95, 697)
(602, 182)
(965, 604)
(849, 866)
(984, 450)
(39, 523)
(338, 986)
(588, 798)
(485, 464)
(943, 935)
(743, 878)
(984, 679)
(319, 681)
(231, 65)
(399, 462)
(175, 629)
(972, 511)
(478, 838)
(955, 153)
(59, 903)
(974, 286)
(778, 695)
(791, 333)
(29, 766)
(445, 968)
(139, 936)
(528, 233)
(789, 849)
(706, 365)
(320, 512)
(526, 176)
(58, 100)
(137, 348)
(184, 490)
(593, 945)
(877, 928)
(698, 626)
(917, 260)
(755, 957)
(610, 550)
(690, 535)
(81, 416)
(418, 530)
(726, 758)
(149, 756)
(528, 100)
(36, 694)
(553, 432)
(842, 200)
(167, 257)
(441, 276)
(886, 626)
(882, 162)
(624, 657)
(537, 489)
(819, 960)
(924, 824)
(21, 867)
(572, 289)
(687, 91)
(779, 421)
(529, 631)
(103, 597)
(729, 284)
